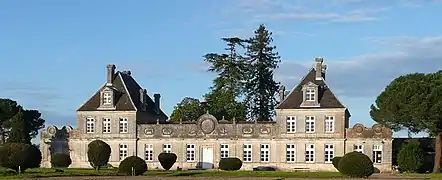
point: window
(310, 94)
(167, 148)
(190, 153)
(358, 148)
(224, 150)
(123, 151)
(123, 125)
(290, 153)
(106, 125)
(310, 153)
(309, 124)
(107, 98)
(377, 153)
(329, 153)
(291, 124)
(329, 124)
(247, 150)
(148, 152)
(90, 125)
(265, 152)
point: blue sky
(54, 53)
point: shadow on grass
(186, 174)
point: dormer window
(310, 94)
(107, 98)
(107, 101)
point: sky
(54, 53)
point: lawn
(424, 175)
(41, 172)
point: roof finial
(181, 120)
(207, 111)
(158, 120)
(256, 121)
(223, 118)
(234, 120)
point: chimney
(281, 93)
(110, 73)
(318, 68)
(143, 93)
(324, 68)
(157, 102)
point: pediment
(310, 84)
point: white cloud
(368, 74)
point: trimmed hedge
(356, 165)
(98, 153)
(167, 160)
(410, 158)
(230, 164)
(61, 160)
(136, 162)
(335, 162)
(18, 156)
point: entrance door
(207, 158)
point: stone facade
(311, 127)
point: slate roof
(127, 96)
(326, 97)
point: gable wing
(326, 98)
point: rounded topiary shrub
(61, 160)
(230, 164)
(139, 166)
(410, 158)
(17, 156)
(36, 157)
(98, 153)
(356, 164)
(167, 160)
(335, 162)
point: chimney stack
(157, 102)
(143, 93)
(318, 68)
(110, 73)
(281, 93)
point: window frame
(290, 150)
(329, 124)
(148, 152)
(329, 153)
(310, 153)
(123, 126)
(90, 125)
(247, 153)
(291, 124)
(310, 124)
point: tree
(228, 86)
(8, 109)
(15, 119)
(20, 132)
(98, 153)
(189, 109)
(261, 87)
(413, 102)
(221, 104)
(410, 158)
(18, 156)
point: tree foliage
(18, 124)
(139, 166)
(189, 109)
(228, 86)
(413, 102)
(355, 164)
(261, 87)
(61, 160)
(98, 153)
(167, 160)
(410, 158)
(18, 156)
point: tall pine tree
(228, 86)
(261, 87)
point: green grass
(42, 172)
(423, 175)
